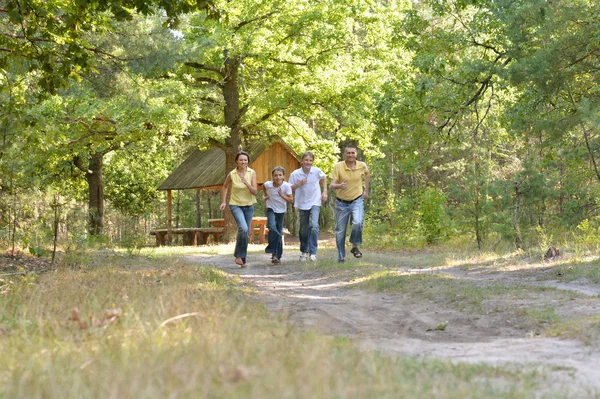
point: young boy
(277, 194)
(308, 198)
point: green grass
(541, 317)
(131, 326)
(586, 329)
(449, 291)
(588, 271)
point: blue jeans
(309, 229)
(342, 213)
(275, 225)
(243, 217)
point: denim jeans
(243, 217)
(275, 225)
(342, 214)
(309, 229)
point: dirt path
(397, 324)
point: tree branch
(207, 122)
(305, 63)
(210, 100)
(263, 118)
(204, 67)
(589, 54)
(79, 165)
(215, 143)
(209, 80)
(34, 40)
(480, 91)
(259, 18)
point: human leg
(279, 222)
(358, 212)
(342, 214)
(272, 235)
(304, 215)
(243, 218)
(313, 231)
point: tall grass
(142, 329)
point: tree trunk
(93, 176)
(477, 218)
(233, 144)
(518, 240)
(229, 229)
(477, 204)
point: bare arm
(252, 186)
(336, 186)
(324, 191)
(367, 180)
(224, 192)
(288, 197)
(299, 183)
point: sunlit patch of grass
(586, 329)
(449, 291)
(475, 259)
(166, 330)
(540, 317)
(168, 251)
(588, 271)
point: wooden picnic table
(259, 225)
(213, 234)
(191, 235)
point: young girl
(277, 194)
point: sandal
(356, 252)
(239, 262)
(275, 261)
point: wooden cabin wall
(275, 155)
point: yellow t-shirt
(240, 195)
(354, 179)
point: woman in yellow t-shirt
(241, 203)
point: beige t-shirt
(240, 195)
(354, 179)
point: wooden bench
(200, 235)
(259, 227)
(191, 235)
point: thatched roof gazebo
(206, 170)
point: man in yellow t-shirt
(350, 180)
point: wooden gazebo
(206, 170)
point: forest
(479, 119)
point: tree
(287, 68)
(114, 110)
(51, 37)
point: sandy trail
(397, 324)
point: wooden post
(198, 209)
(169, 216)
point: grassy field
(146, 326)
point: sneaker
(313, 257)
(341, 260)
(303, 257)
